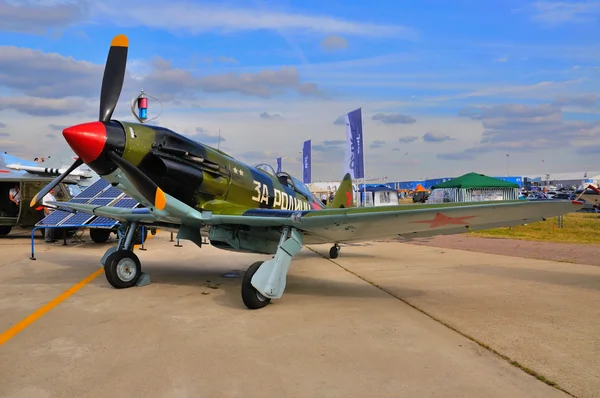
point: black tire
(99, 235)
(116, 276)
(251, 297)
(334, 252)
(5, 230)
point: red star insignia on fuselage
(441, 219)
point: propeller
(112, 83)
(114, 75)
(55, 182)
(149, 190)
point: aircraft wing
(409, 221)
(358, 223)
(117, 213)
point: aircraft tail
(344, 196)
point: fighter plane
(190, 187)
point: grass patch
(577, 228)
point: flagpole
(364, 159)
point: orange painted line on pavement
(14, 330)
(19, 327)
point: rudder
(344, 196)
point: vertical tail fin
(344, 196)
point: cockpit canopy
(287, 180)
(266, 168)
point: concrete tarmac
(331, 335)
(542, 314)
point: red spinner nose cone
(87, 140)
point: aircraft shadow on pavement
(206, 277)
(537, 275)
(164, 274)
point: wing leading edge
(122, 214)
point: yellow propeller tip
(120, 41)
(160, 200)
(33, 201)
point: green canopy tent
(473, 187)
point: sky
(445, 87)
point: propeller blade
(114, 74)
(149, 190)
(55, 182)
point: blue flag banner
(354, 159)
(279, 165)
(306, 161)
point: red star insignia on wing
(440, 220)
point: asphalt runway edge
(514, 363)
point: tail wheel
(334, 252)
(252, 298)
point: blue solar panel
(111, 192)
(79, 219)
(101, 202)
(125, 202)
(93, 189)
(55, 218)
(100, 193)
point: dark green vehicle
(29, 185)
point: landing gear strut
(266, 280)
(334, 252)
(122, 267)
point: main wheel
(122, 269)
(334, 252)
(251, 297)
(99, 235)
(5, 230)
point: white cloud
(559, 12)
(525, 129)
(182, 16)
(43, 106)
(39, 16)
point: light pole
(507, 160)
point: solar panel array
(100, 193)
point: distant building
(577, 179)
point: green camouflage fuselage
(206, 178)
